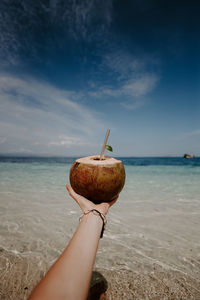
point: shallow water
(154, 224)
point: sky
(70, 69)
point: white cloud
(134, 87)
(2, 140)
(135, 103)
(38, 116)
(140, 86)
(87, 20)
(24, 150)
(68, 141)
(123, 64)
(134, 78)
(192, 133)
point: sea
(155, 224)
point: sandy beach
(21, 273)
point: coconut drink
(98, 178)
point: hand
(86, 204)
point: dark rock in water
(186, 155)
(98, 286)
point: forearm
(69, 277)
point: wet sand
(156, 285)
(20, 272)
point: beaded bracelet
(96, 213)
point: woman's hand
(86, 204)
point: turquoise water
(155, 221)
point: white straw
(104, 145)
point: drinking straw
(104, 144)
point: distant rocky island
(186, 155)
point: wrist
(103, 208)
(98, 214)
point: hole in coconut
(97, 158)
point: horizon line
(75, 156)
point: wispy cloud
(140, 86)
(86, 19)
(32, 26)
(2, 140)
(128, 77)
(37, 115)
(133, 78)
(69, 141)
(135, 103)
(189, 134)
(133, 87)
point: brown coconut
(97, 180)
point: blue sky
(71, 69)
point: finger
(72, 193)
(69, 189)
(82, 201)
